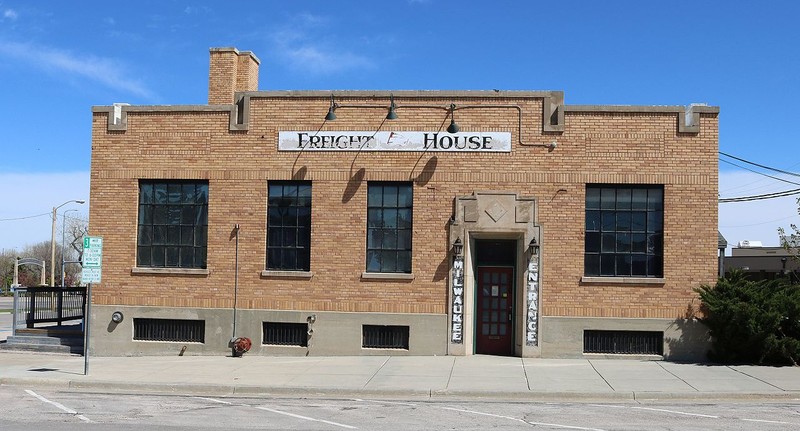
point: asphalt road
(26, 409)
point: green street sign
(92, 259)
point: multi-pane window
(389, 227)
(289, 226)
(173, 224)
(624, 231)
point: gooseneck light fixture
(453, 127)
(392, 114)
(331, 114)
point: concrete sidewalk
(402, 377)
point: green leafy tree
(752, 321)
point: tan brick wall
(636, 148)
(230, 71)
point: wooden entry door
(495, 321)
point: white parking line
(676, 412)
(521, 420)
(279, 412)
(213, 400)
(305, 417)
(768, 422)
(59, 405)
(397, 403)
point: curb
(417, 394)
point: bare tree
(74, 231)
(7, 258)
(791, 241)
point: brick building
(405, 222)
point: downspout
(235, 280)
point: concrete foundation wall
(684, 339)
(334, 333)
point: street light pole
(53, 241)
(63, 234)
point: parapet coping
(552, 115)
(237, 52)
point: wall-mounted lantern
(533, 246)
(458, 247)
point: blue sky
(58, 59)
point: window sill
(168, 271)
(287, 274)
(651, 282)
(386, 276)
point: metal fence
(45, 304)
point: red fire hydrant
(240, 346)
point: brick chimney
(231, 71)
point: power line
(760, 166)
(759, 173)
(763, 196)
(760, 197)
(26, 217)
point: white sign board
(470, 142)
(91, 275)
(92, 259)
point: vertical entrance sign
(91, 273)
(457, 324)
(532, 324)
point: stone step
(43, 348)
(73, 345)
(32, 339)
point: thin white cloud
(321, 61)
(105, 71)
(10, 14)
(304, 52)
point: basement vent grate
(385, 337)
(286, 334)
(624, 342)
(185, 331)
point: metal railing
(384, 337)
(623, 342)
(46, 304)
